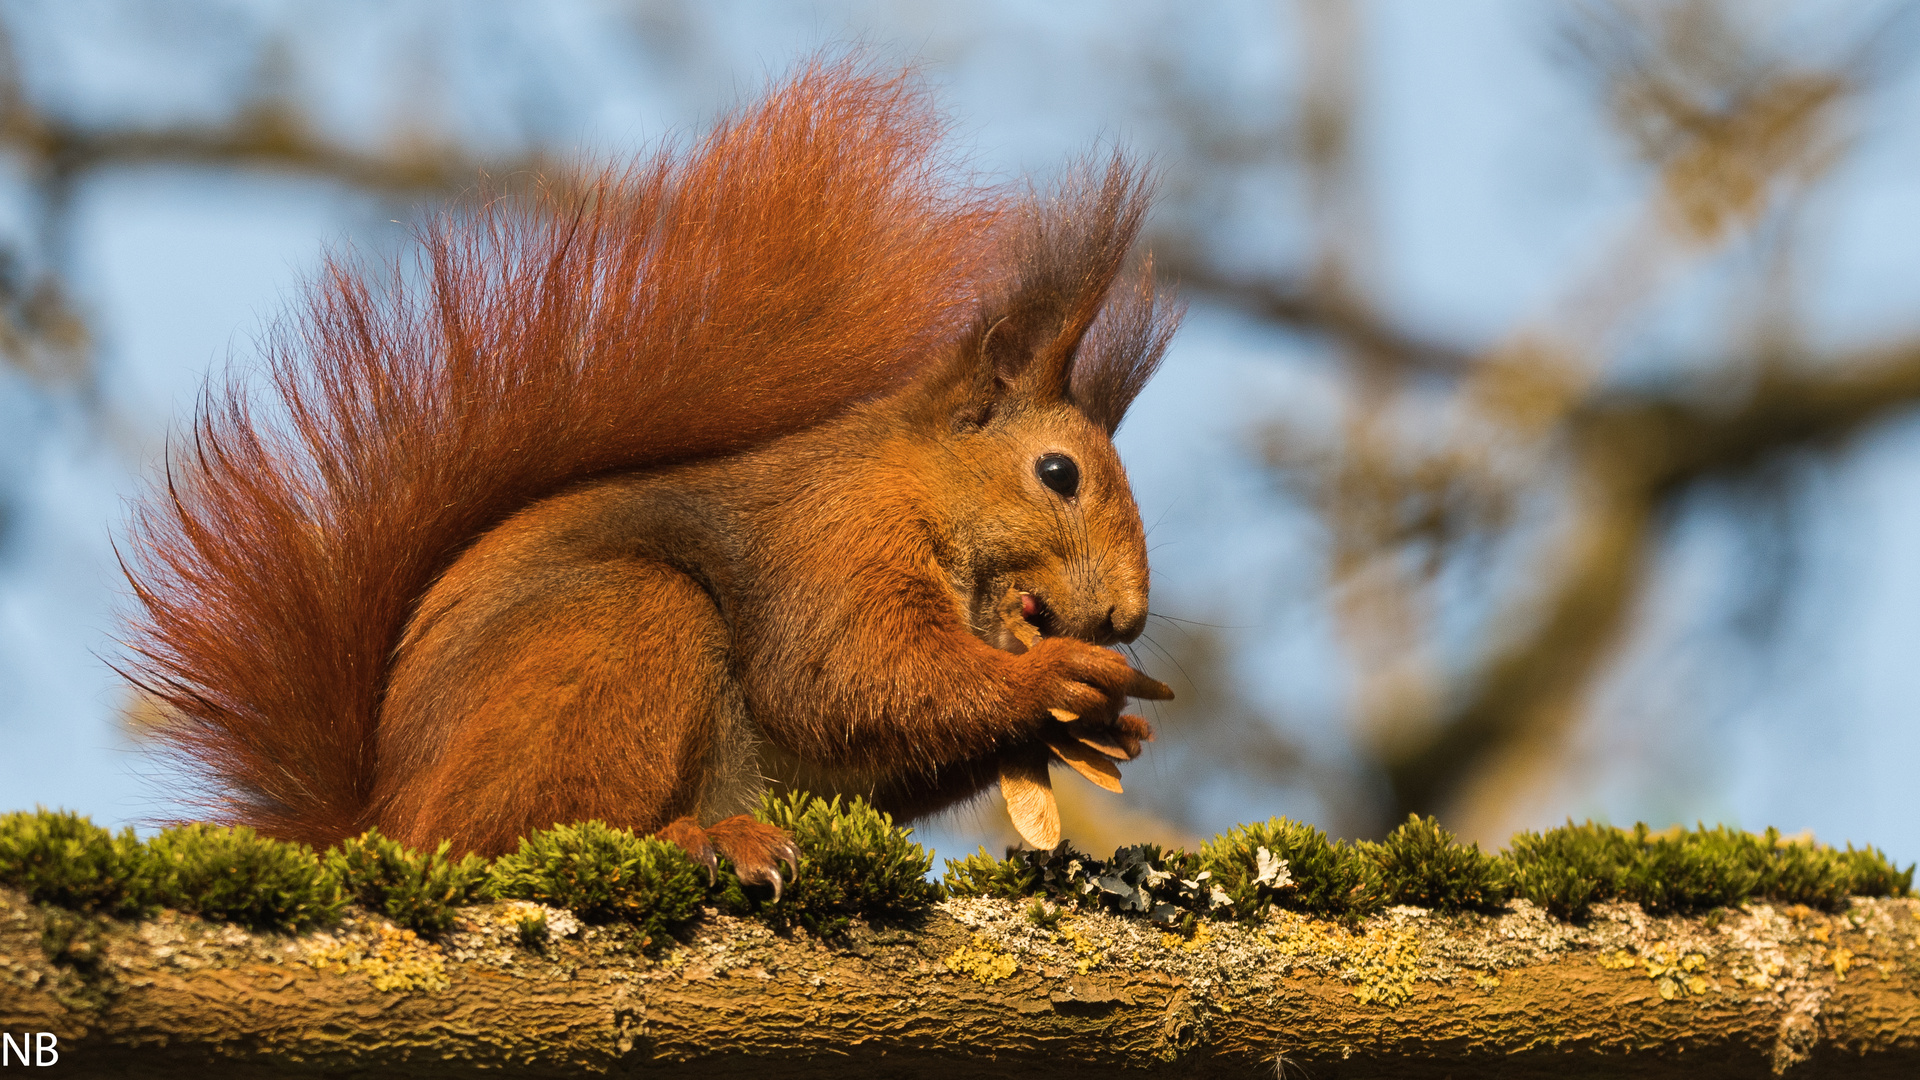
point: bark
(976, 988)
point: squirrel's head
(1045, 538)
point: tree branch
(1634, 454)
(1317, 311)
(267, 135)
(979, 990)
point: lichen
(981, 961)
(1675, 973)
(1202, 935)
(391, 958)
(1088, 953)
(1841, 959)
(1383, 959)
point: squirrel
(784, 460)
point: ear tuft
(1124, 347)
(1059, 331)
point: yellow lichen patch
(1842, 959)
(1619, 960)
(1384, 960)
(981, 961)
(1386, 964)
(394, 960)
(1761, 977)
(1089, 954)
(1674, 974)
(1202, 934)
(1486, 980)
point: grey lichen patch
(511, 935)
(84, 961)
(186, 943)
(715, 946)
(728, 947)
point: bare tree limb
(268, 135)
(1634, 455)
(1342, 319)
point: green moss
(239, 876)
(1567, 870)
(63, 859)
(853, 861)
(1797, 872)
(418, 891)
(1044, 915)
(980, 874)
(604, 874)
(1423, 865)
(1326, 877)
(856, 861)
(1870, 873)
(1692, 871)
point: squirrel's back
(809, 253)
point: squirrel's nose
(1126, 620)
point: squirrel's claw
(691, 838)
(786, 852)
(1147, 688)
(756, 850)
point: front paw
(1118, 738)
(1092, 683)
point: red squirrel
(762, 463)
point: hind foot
(756, 849)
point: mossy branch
(592, 950)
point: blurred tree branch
(1633, 455)
(1340, 318)
(41, 331)
(1441, 441)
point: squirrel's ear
(1009, 357)
(1066, 252)
(1022, 351)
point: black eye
(1058, 472)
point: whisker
(1197, 622)
(1170, 657)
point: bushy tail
(808, 253)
